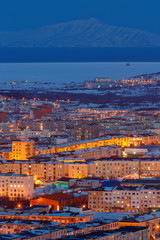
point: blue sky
(29, 14)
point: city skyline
(79, 120)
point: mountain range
(80, 33)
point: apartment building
(34, 125)
(85, 130)
(95, 225)
(124, 199)
(150, 220)
(100, 152)
(39, 111)
(17, 226)
(16, 186)
(22, 150)
(123, 233)
(50, 170)
(41, 233)
(7, 153)
(77, 168)
(145, 139)
(72, 170)
(114, 167)
(107, 168)
(121, 141)
(28, 133)
(101, 229)
(67, 216)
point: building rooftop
(142, 218)
(89, 141)
(61, 196)
(99, 234)
(13, 174)
(64, 179)
(34, 233)
(53, 214)
(141, 181)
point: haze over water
(73, 72)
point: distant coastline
(36, 55)
(60, 73)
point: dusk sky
(28, 14)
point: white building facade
(16, 186)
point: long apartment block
(125, 199)
(77, 168)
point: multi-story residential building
(16, 186)
(67, 216)
(19, 152)
(95, 225)
(101, 229)
(56, 125)
(49, 168)
(107, 168)
(85, 131)
(145, 139)
(88, 144)
(7, 153)
(97, 153)
(41, 233)
(34, 125)
(123, 233)
(72, 170)
(140, 182)
(40, 170)
(39, 111)
(138, 81)
(28, 133)
(150, 220)
(17, 226)
(114, 167)
(98, 83)
(121, 141)
(22, 150)
(125, 198)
